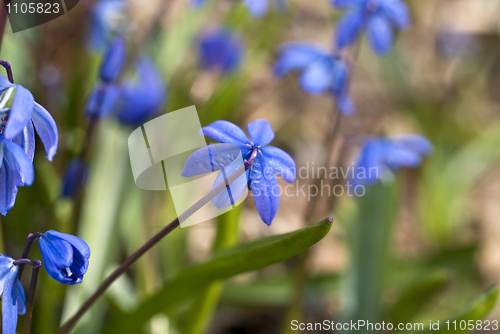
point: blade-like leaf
(477, 310)
(417, 295)
(227, 263)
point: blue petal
(46, 129)
(20, 112)
(5, 84)
(114, 60)
(341, 78)
(317, 77)
(9, 178)
(226, 132)
(346, 3)
(74, 178)
(102, 101)
(256, 8)
(398, 12)
(10, 163)
(399, 157)
(220, 48)
(26, 139)
(210, 158)
(20, 298)
(55, 250)
(24, 163)
(349, 27)
(416, 143)
(380, 34)
(261, 132)
(75, 241)
(265, 190)
(143, 98)
(297, 56)
(197, 3)
(9, 304)
(345, 105)
(6, 266)
(281, 163)
(228, 197)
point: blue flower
(262, 162)
(132, 101)
(220, 49)
(143, 97)
(321, 72)
(113, 62)
(13, 298)
(381, 156)
(17, 140)
(74, 178)
(256, 8)
(65, 257)
(108, 19)
(376, 16)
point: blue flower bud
(114, 59)
(65, 256)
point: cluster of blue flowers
(321, 71)
(131, 101)
(17, 139)
(65, 258)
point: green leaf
(227, 263)
(369, 239)
(417, 295)
(477, 310)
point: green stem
(199, 316)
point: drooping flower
(132, 101)
(74, 178)
(113, 61)
(108, 18)
(13, 298)
(380, 157)
(220, 49)
(262, 162)
(65, 256)
(141, 97)
(256, 8)
(17, 139)
(378, 17)
(321, 72)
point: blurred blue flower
(142, 98)
(321, 72)
(113, 61)
(132, 101)
(256, 8)
(107, 20)
(74, 178)
(380, 157)
(13, 298)
(220, 49)
(262, 163)
(17, 139)
(65, 256)
(378, 17)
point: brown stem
(31, 298)
(147, 246)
